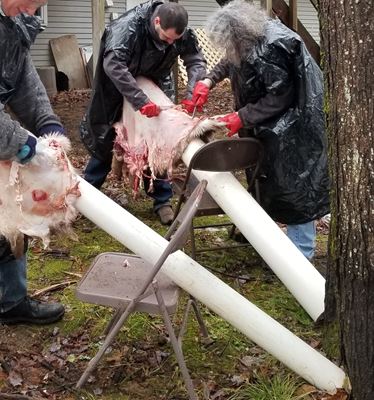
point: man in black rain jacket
(145, 41)
(278, 96)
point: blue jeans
(96, 172)
(303, 236)
(13, 286)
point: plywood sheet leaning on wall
(68, 60)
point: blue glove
(27, 151)
(51, 128)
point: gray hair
(235, 28)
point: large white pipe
(277, 250)
(219, 297)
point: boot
(33, 312)
(166, 215)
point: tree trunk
(348, 52)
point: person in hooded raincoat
(23, 92)
(147, 41)
(278, 95)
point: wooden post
(267, 5)
(293, 15)
(98, 26)
(281, 10)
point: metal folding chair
(224, 155)
(130, 284)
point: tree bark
(347, 35)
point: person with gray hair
(278, 97)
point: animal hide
(38, 196)
(157, 142)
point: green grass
(216, 365)
(274, 388)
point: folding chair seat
(114, 278)
(224, 155)
(128, 283)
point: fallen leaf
(249, 361)
(14, 378)
(306, 389)
(237, 380)
(71, 358)
(341, 394)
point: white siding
(198, 11)
(74, 17)
(68, 17)
(308, 16)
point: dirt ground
(23, 352)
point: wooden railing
(288, 15)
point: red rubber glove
(233, 123)
(150, 110)
(199, 98)
(200, 94)
(189, 106)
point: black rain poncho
(130, 41)
(278, 93)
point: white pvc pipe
(277, 250)
(219, 297)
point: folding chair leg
(193, 244)
(232, 231)
(114, 319)
(108, 340)
(183, 325)
(203, 329)
(175, 344)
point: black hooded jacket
(278, 93)
(129, 49)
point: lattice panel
(211, 55)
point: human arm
(193, 60)
(115, 66)
(267, 107)
(30, 102)
(201, 89)
(12, 135)
(199, 96)
(32, 108)
(15, 141)
(274, 87)
(219, 72)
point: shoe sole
(166, 219)
(32, 321)
(169, 222)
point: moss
(331, 340)
(217, 362)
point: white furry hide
(156, 142)
(38, 196)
